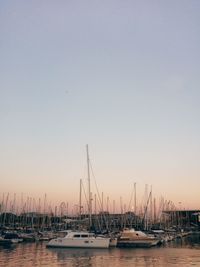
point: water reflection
(80, 257)
(183, 252)
(73, 252)
(64, 253)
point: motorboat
(9, 239)
(81, 239)
(132, 238)
(13, 237)
(4, 241)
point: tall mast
(135, 199)
(80, 199)
(89, 190)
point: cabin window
(77, 236)
(86, 241)
(84, 236)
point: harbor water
(181, 252)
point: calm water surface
(185, 252)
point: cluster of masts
(148, 211)
(11, 203)
(42, 212)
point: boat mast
(80, 199)
(135, 203)
(89, 190)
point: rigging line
(145, 212)
(101, 202)
(98, 194)
(129, 205)
(98, 198)
(85, 195)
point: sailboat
(82, 239)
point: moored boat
(13, 237)
(5, 242)
(132, 238)
(80, 240)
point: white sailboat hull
(80, 242)
(95, 243)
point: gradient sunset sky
(121, 76)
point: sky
(120, 76)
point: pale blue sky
(122, 76)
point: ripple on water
(36, 254)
